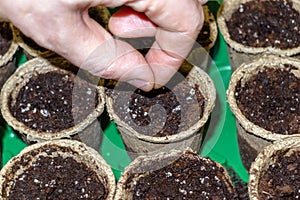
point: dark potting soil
(51, 177)
(6, 37)
(188, 177)
(281, 180)
(32, 44)
(160, 112)
(266, 23)
(270, 100)
(54, 101)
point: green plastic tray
(220, 143)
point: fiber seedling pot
(275, 172)
(59, 169)
(264, 97)
(252, 28)
(8, 49)
(172, 117)
(174, 175)
(43, 101)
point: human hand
(65, 27)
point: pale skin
(65, 27)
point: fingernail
(143, 85)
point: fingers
(111, 59)
(175, 25)
(114, 59)
(66, 28)
(117, 60)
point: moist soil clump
(188, 177)
(6, 37)
(51, 177)
(266, 23)
(53, 101)
(160, 112)
(270, 99)
(281, 180)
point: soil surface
(160, 112)
(53, 101)
(281, 180)
(266, 23)
(188, 177)
(6, 37)
(270, 100)
(52, 177)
